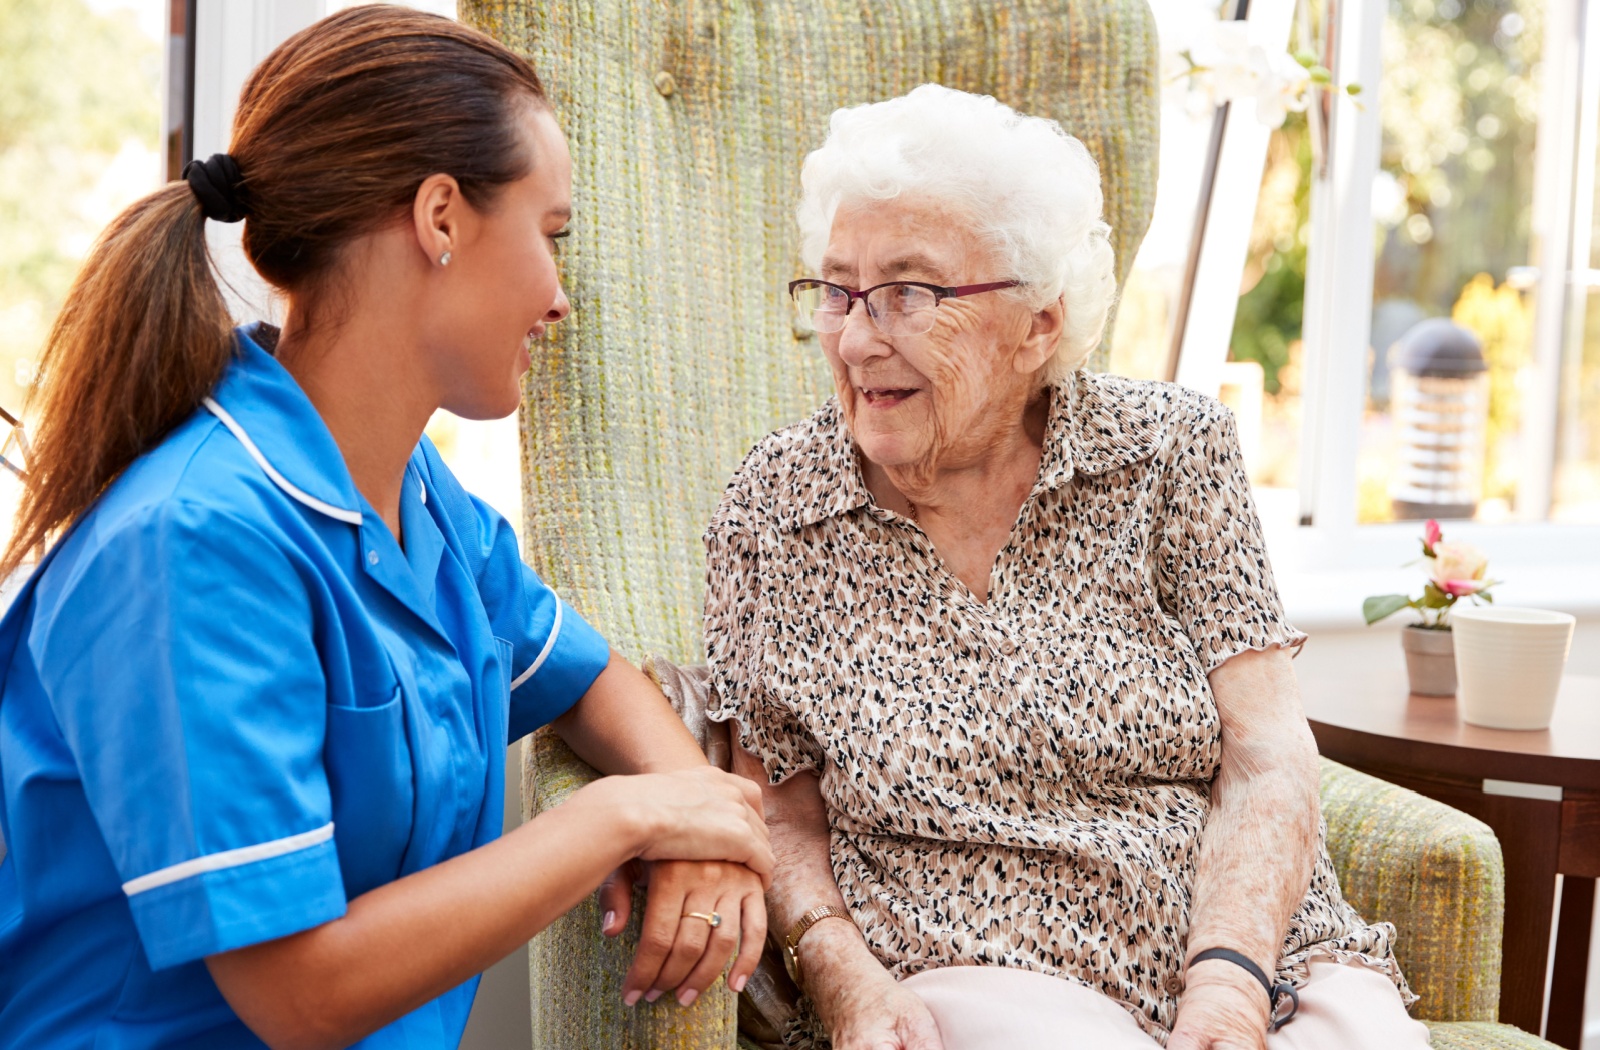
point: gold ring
(711, 918)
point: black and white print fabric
(1021, 781)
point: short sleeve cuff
(217, 911)
(1223, 641)
(783, 749)
(558, 676)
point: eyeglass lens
(897, 309)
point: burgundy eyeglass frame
(940, 292)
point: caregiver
(258, 692)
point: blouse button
(1008, 647)
(372, 557)
(1175, 984)
(1152, 880)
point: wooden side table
(1539, 791)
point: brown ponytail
(335, 131)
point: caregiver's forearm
(410, 941)
(1260, 840)
(624, 724)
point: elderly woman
(1000, 638)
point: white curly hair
(1028, 188)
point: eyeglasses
(897, 308)
(16, 440)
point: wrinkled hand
(1219, 1011)
(862, 1006)
(687, 954)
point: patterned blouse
(1023, 781)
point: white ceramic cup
(1509, 664)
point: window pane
(1261, 381)
(1576, 489)
(1453, 206)
(1147, 307)
(80, 123)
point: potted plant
(1455, 571)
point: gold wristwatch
(791, 942)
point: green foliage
(1460, 118)
(75, 86)
(1434, 598)
(1381, 606)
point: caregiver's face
(941, 395)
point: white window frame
(1328, 562)
(1225, 214)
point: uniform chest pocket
(370, 777)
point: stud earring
(444, 260)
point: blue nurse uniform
(232, 703)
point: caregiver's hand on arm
(407, 942)
(625, 725)
(863, 1007)
(1256, 852)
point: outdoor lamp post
(1441, 407)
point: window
(1320, 244)
(1452, 203)
(80, 100)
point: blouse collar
(1097, 423)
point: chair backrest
(688, 121)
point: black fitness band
(1275, 992)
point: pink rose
(1457, 568)
(1431, 533)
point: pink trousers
(1342, 1007)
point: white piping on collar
(228, 858)
(544, 654)
(352, 517)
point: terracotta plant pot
(1430, 660)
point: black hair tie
(215, 183)
(1276, 993)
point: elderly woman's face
(945, 395)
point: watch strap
(791, 940)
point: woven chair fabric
(1483, 1035)
(688, 123)
(1434, 872)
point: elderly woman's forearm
(1256, 859)
(797, 823)
(1260, 841)
(803, 878)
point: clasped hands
(704, 856)
(678, 948)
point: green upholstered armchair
(1437, 874)
(689, 120)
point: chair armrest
(576, 974)
(1434, 872)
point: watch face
(791, 963)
